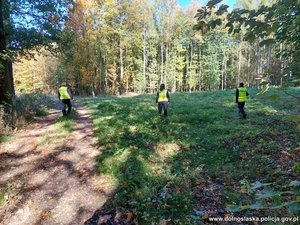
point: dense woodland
(118, 153)
(117, 47)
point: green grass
(160, 163)
(5, 138)
(62, 128)
(6, 193)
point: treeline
(117, 47)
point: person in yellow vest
(241, 96)
(64, 94)
(163, 99)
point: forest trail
(53, 183)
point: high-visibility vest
(242, 94)
(162, 96)
(64, 93)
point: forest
(114, 159)
(116, 47)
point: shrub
(24, 109)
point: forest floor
(116, 161)
(47, 172)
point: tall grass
(24, 109)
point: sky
(185, 3)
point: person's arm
(168, 97)
(156, 100)
(70, 93)
(58, 95)
(236, 95)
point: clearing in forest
(199, 162)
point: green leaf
(257, 205)
(294, 207)
(233, 208)
(267, 42)
(258, 184)
(267, 194)
(212, 3)
(294, 183)
(222, 9)
(264, 90)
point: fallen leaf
(205, 216)
(129, 216)
(45, 215)
(29, 203)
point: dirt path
(51, 184)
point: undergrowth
(180, 168)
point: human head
(162, 87)
(241, 84)
(64, 83)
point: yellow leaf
(45, 215)
(29, 202)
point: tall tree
(25, 25)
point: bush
(25, 108)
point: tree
(27, 25)
(274, 23)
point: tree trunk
(190, 67)
(240, 62)
(166, 64)
(162, 62)
(6, 77)
(258, 68)
(121, 70)
(222, 72)
(144, 61)
(281, 66)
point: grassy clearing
(202, 158)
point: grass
(62, 128)
(200, 156)
(6, 193)
(5, 138)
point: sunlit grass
(157, 160)
(5, 138)
(61, 129)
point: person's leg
(165, 106)
(159, 105)
(64, 107)
(244, 113)
(241, 108)
(69, 106)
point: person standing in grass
(241, 96)
(163, 99)
(65, 95)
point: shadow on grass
(152, 157)
(167, 169)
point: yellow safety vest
(162, 96)
(64, 93)
(242, 94)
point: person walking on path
(241, 96)
(163, 99)
(65, 95)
